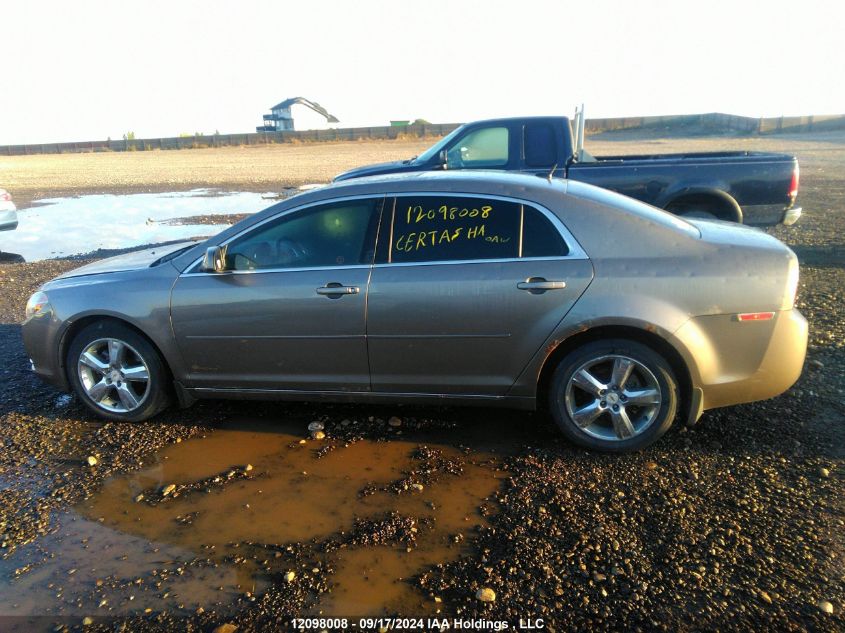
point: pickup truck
(757, 188)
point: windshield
(434, 150)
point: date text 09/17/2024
(415, 624)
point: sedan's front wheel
(117, 373)
(615, 395)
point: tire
(582, 405)
(117, 373)
(707, 207)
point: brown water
(199, 548)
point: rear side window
(540, 238)
(430, 228)
(540, 145)
(445, 228)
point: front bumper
(745, 361)
(41, 339)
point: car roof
(457, 181)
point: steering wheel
(290, 251)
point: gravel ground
(735, 524)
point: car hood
(130, 261)
(377, 170)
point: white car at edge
(8, 212)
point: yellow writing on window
(418, 240)
(417, 214)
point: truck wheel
(707, 207)
(615, 395)
(703, 215)
(117, 373)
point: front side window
(487, 147)
(333, 234)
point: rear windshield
(613, 199)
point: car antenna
(551, 173)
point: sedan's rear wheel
(117, 373)
(614, 395)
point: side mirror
(444, 159)
(214, 260)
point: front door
(289, 312)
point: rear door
(465, 290)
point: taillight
(793, 186)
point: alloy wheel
(613, 397)
(114, 375)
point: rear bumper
(769, 214)
(791, 216)
(748, 361)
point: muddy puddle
(59, 227)
(214, 522)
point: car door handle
(337, 289)
(537, 285)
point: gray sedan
(464, 288)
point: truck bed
(703, 157)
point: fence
(224, 140)
(717, 122)
(713, 121)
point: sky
(87, 70)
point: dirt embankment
(254, 168)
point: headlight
(37, 305)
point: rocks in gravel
(826, 607)
(485, 594)
(318, 435)
(92, 461)
(139, 498)
(289, 577)
(228, 627)
(824, 472)
(395, 422)
(168, 489)
(315, 426)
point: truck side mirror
(214, 260)
(444, 159)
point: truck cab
(757, 188)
